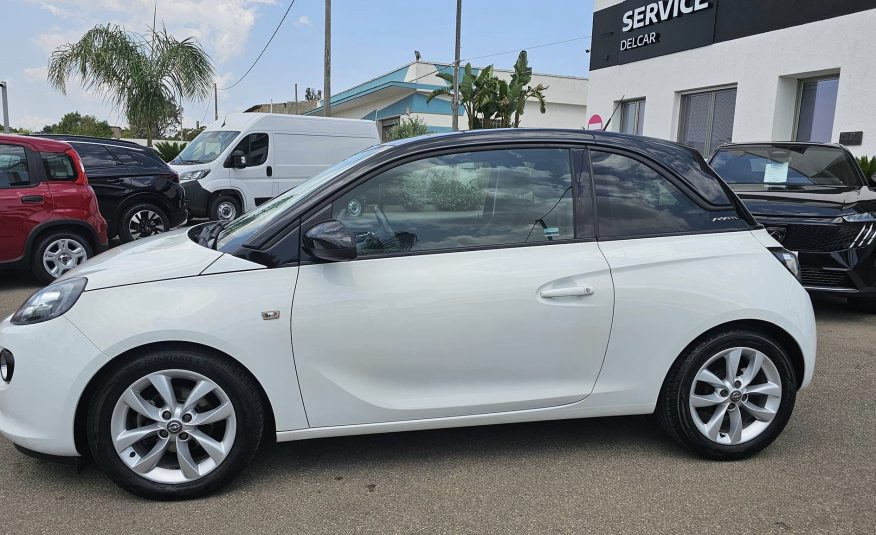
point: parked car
(815, 200)
(246, 159)
(138, 193)
(49, 220)
(643, 286)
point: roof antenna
(605, 127)
(223, 121)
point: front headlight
(194, 175)
(865, 217)
(788, 259)
(50, 302)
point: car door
(105, 176)
(256, 179)
(476, 291)
(25, 200)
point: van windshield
(240, 230)
(206, 147)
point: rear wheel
(142, 220)
(175, 423)
(730, 396)
(57, 253)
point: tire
(684, 423)
(238, 432)
(141, 220)
(69, 250)
(866, 305)
(225, 208)
(355, 207)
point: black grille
(826, 279)
(818, 238)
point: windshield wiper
(215, 231)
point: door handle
(572, 291)
(32, 199)
(269, 171)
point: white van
(245, 159)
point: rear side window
(125, 157)
(14, 172)
(255, 148)
(94, 156)
(634, 200)
(58, 166)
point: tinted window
(817, 109)
(792, 166)
(463, 200)
(634, 200)
(125, 157)
(58, 166)
(255, 148)
(13, 167)
(94, 156)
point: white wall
(766, 69)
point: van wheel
(225, 208)
(59, 252)
(730, 396)
(175, 423)
(142, 220)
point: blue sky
(370, 37)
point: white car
(489, 277)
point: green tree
(164, 127)
(144, 76)
(75, 123)
(508, 99)
(474, 92)
(868, 165)
(408, 127)
(168, 150)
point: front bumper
(53, 363)
(196, 197)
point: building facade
(707, 72)
(404, 92)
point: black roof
(92, 139)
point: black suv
(814, 199)
(138, 193)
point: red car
(49, 219)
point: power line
(292, 3)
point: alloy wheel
(173, 426)
(62, 255)
(145, 223)
(735, 395)
(354, 208)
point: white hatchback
(452, 280)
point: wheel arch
(56, 225)
(81, 413)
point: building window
(707, 119)
(633, 116)
(817, 105)
(386, 125)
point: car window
(798, 165)
(124, 156)
(94, 156)
(634, 200)
(255, 148)
(58, 166)
(497, 197)
(14, 172)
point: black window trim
(682, 185)
(310, 219)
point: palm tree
(519, 91)
(473, 91)
(146, 76)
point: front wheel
(175, 423)
(730, 396)
(225, 208)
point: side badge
(270, 315)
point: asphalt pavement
(606, 475)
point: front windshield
(242, 228)
(787, 166)
(206, 147)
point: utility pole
(5, 108)
(296, 95)
(215, 102)
(327, 72)
(455, 103)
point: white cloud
(31, 122)
(36, 74)
(303, 20)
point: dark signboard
(640, 29)
(851, 139)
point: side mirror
(330, 241)
(238, 159)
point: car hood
(167, 256)
(818, 201)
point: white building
(705, 72)
(403, 92)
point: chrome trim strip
(852, 246)
(830, 289)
